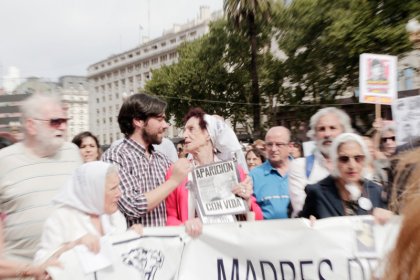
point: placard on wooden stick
(378, 79)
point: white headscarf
(225, 141)
(85, 190)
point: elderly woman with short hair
(207, 139)
(346, 192)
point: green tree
(244, 15)
(210, 73)
(323, 41)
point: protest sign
(212, 186)
(406, 113)
(377, 79)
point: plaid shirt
(138, 175)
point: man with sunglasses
(325, 126)
(31, 173)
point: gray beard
(49, 147)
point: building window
(163, 44)
(192, 34)
(408, 78)
(154, 60)
(182, 37)
(173, 41)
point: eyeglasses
(346, 159)
(296, 145)
(278, 145)
(55, 123)
(385, 139)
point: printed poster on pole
(378, 79)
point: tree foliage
(323, 41)
(210, 73)
(245, 15)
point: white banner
(336, 248)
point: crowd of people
(55, 195)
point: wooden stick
(377, 111)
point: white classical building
(73, 91)
(74, 94)
(126, 73)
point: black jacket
(323, 199)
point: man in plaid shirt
(142, 169)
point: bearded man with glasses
(31, 173)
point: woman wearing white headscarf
(207, 139)
(87, 210)
(347, 191)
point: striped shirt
(27, 185)
(138, 175)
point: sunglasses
(385, 139)
(346, 159)
(56, 122)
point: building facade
(73, 91)
(74, 94)
(126, 73)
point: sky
(52, 38)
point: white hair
(112, 169)
(345, 138)
(341, 115)
(388, 127)
(32, 106)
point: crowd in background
(55, 195)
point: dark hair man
(142, 169)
